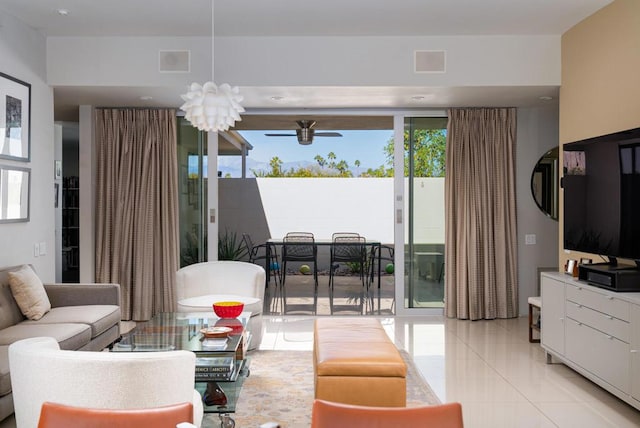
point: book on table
(214, 368)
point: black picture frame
(15, 119)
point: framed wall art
(15, 119)
(15, 184)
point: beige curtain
(480, 244)
(137, 208)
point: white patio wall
(271, 207)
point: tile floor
(490, 367)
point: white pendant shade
(212, 108)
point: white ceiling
(303, 18)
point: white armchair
(199, 285)
(41, 372)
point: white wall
(271, 207)
(537, 133)
(123, 61)
(334, 61)
(381, 61)
(428, 208)
(22, 55)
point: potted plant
(230, 247)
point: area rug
(280, 389)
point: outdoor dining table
(322, 243)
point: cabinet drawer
(600, 301)
(604, 356)
(605, 323)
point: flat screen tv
(602, 195)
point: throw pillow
(29, 293)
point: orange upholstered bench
(355, 362)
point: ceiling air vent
(174, 61)
(430, 61)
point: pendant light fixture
(210, 107)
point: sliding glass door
(423, 187)
(192, 186)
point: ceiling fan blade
(327, 134)
(280, 135)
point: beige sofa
(82, 317)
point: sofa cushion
(5, 379)
(99, 317)
(29, 293)
(10, 313)
(69, 336)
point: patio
(349, 298)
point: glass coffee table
(221, 361)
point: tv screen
(602, 195)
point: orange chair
(326, 414)
(55, 415)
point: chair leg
(531, 339)
(283, 274)
(530, 321)
(315, 274)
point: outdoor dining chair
(299, 247)
(379, 255)
(263, 254)
(347, 248)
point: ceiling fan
(306, 132)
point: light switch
(36, 250)
(530, 239)
(43, 248)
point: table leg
(267, 262)
(226, 421)
(379, 263)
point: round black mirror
(544, 183)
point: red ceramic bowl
(228, 309)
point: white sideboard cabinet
(594, 331)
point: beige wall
(600, 91)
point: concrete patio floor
(349, 297)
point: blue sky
(365, 146)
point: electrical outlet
(530, 239)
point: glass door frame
(400, 216)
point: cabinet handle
(634, 351)
(609, 297)
(579, 306)
(609, 337)
(609, 317)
